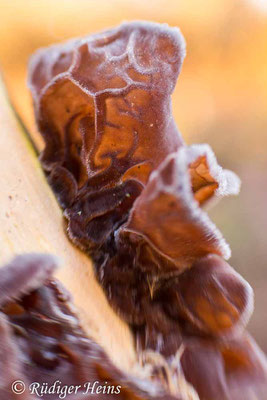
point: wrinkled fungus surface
(42, 341)
(133, 194)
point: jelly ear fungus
(43, 346)
(133, 194)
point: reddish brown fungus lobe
(42, 341)
(133, 193)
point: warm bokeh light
(260, 4)
(221, 96)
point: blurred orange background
(221, 96)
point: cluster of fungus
(42, 342)
(133, 195)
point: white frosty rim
(180, 186)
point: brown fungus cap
(96, 99)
